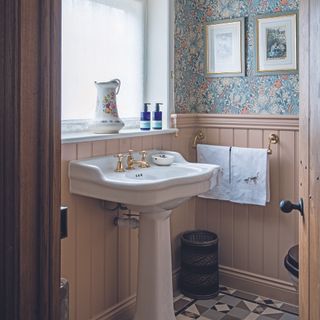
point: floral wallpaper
(251, 94)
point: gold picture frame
(225, 48)
(277, 44)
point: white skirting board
(121, 311)
(125, 309)
(259, 285)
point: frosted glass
(102, 40)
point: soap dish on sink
(162, 159)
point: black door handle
(287, 206)
(63, 222)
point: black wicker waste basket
(199, 262)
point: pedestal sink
(153, 192)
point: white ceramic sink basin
(159, 187)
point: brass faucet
(130, 160)
(143, 163)
(119, 167)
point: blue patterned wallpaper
(247, 95)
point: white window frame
(70, 126)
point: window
(107, 39)
(102, 40)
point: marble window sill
(76, 137)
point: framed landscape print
(276, 44)
(225, 48)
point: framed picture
(276, 44)
(225, 48)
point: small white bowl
(162, 159)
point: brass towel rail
(198, 138)
(273, 139)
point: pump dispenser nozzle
(158, 106)
(146, 106)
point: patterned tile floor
(233, 304)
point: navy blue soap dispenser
(145, 118)
(157, 118)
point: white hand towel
(244, 175)
(218, 155)
(250, 176)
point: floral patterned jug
(106, 115)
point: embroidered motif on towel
(253, 179)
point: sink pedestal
(155, 294)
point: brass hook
(273, 139)
(199, 137)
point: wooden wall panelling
(271, 231)
(98, 148)
(157, 142)
(201, 221)
(212, 136)
(111, 283)
(147, 143)
(167, 142)
(183, 143)
(134, 250)
(248, 234)
(97, 216)
(259, 238)
(84, 248)
(123, 262)
(213, 216)
(112, 147)
(182, 219)
(136, 144)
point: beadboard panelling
(253, 239)
(99, 259)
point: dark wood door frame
(30, 42)
(309, 175)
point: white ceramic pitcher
(106, 115)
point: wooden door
(29, 159)
(309, 242)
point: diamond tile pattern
(233, 304)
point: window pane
(102, 40)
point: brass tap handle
(143, 163)
(130, 160)
(119, 167)
(143, 155)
